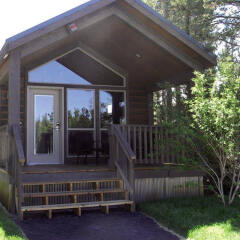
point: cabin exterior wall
(138, 106)
(4, 103)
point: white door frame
(31, 159)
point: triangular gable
(94, 5)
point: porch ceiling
(144, 61)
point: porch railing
(11, 159)
(151, 144)
(4, 148)
(123, 158)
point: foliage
(81, 119)
(213, 23)
(8, 229)
(44, 128)
(198, 218)
(172, 114)
(215, 108)
(204, 133)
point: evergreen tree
(216, 24)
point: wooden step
(77, 181)
(77, 206)
(77, 192)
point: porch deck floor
(61, 168)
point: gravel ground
(94, 225)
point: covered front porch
(135, 172)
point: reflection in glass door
(84, 137)
(81, 122)
(44, 130)
(43, 124)
(112, 111)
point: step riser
(77, 186)
(72, 199)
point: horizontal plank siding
(149, 189)
(4, 103)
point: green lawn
(8, 229)
(197, 218)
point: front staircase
(76, 195)
(51, 188)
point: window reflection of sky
(54, 72)
(106, 102)
(43, 106)
(78, 99)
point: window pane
(54, 72)
(43, 118)
(80, 143)
(75, 67)
(112, 108)
(80, 108)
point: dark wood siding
(137, 104)
(4, 103)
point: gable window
(78, 68)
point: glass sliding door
(81, 121)
(84, 137)
(112, 111)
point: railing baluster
(156, 145)
(167, 146)
(145, 145)
(134, 140)
(129, 135)
(140, 144)
(151, 143)
(162, 144)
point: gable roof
(93, 5)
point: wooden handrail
(124, 144)
(124, 178)
(18, 140)
(18, 162)
(124, 160)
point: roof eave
(175, 31)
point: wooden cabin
(76, 116)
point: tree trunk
(165, 8)
(187, 22)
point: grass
(8, 229)
(198, 218)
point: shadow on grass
(8, 229)
(183, 215)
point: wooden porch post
(13, 112)
(111, 147)
(150, 108)
(14, 88)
